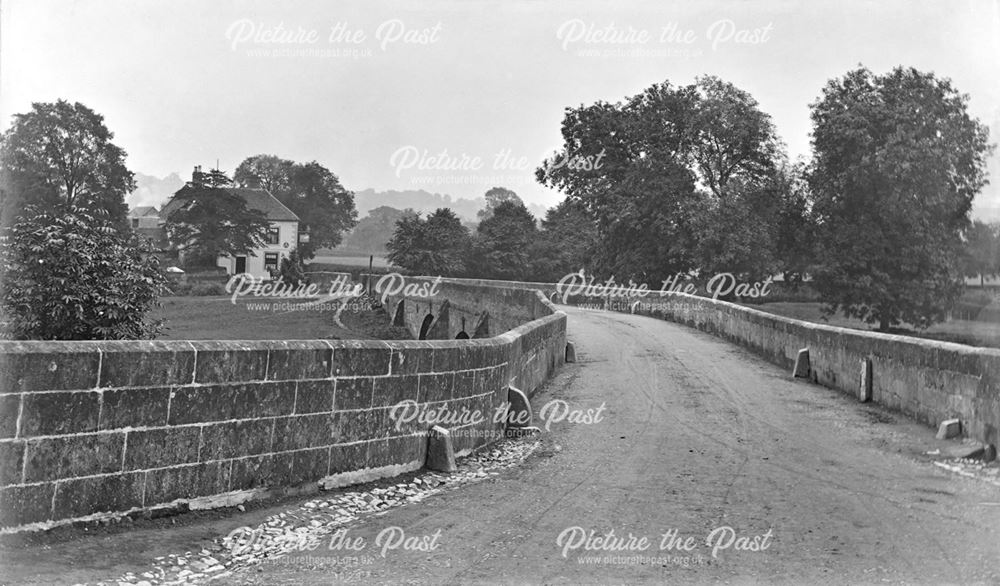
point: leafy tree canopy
(310, 190)
(897, 162)
(59, 156)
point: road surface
(697, 439)
(696, 436)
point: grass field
(343, 257)
(972, 333)
(216, 318)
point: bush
(71, 275)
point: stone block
(409, 360)
(353, 393)
(391, 390)
(865, 383)
(292, 468)
(440, 450)
(10, 406)
(252, 472)
(59, 413)
(151, 364)
(157, 448)
(20, 505)
(135, 408)
(949, 428)
(802, 367)
(397, 451)
(436, 387)
(99, 494)
(296, 360)
(365, 358)
(519, 413)
(11, 462)
(314, 396)
(236, 439)
(68, 457)
(465, 383)
(348, 457)
(186, 482)
(570, 352)
(302, 431)
(230, 361)
(48, 366)
(353, 426)
(225, 402)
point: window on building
(272, 236)
(135, 222)
(271, 262)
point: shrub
(69, 274)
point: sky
(453, 96)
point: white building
(282, 237)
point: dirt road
(707, 463)
(696, 436)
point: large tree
(61, 156)
(436, 246)
(504, 242)
(898, 161)
(566, 243)
(310, 190)
(205, 220)
(70, 275)
(647, 169)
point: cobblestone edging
(89, 429)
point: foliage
(435, 246)
(211, 221)
(897, 163)
(495, 197)
(649, 170)
(60, 156)
(504, 242)
(71, 275)
(310, 190)
(374, 230)
(292, 270)
(566, 243)
(982, 250)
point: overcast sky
(183, 82)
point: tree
(648, 169)
(204, 222)
(74, 276)
(495, 197)
(374, 230)
(60, 156)
(897, 162)
(310, 190)
(567, 243)
(982, 250)
(435, 246)
(504, 241)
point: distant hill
(153, 191)
(426, 202)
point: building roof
(262, 200)
(256, 199)
(143, 211)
